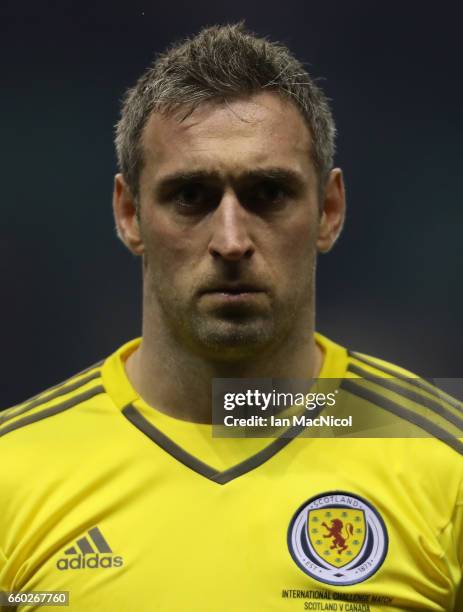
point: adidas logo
(87, 556)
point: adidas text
(89, 562)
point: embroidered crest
(338, 538)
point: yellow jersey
(128, 509)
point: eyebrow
(277, 174)
(274, 173)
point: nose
(230, 238)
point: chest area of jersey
(276, 543)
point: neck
(178, 382)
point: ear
(333, 211)
(126, 217)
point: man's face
(228, 222)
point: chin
(234, 340)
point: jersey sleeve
(3, 580)
(458, 527)
(4, 488)
(457, 537)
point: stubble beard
(231, 337)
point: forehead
(228, 138)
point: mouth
(233, 292)
(233, 289)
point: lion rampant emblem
(336, 532)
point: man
(113, 487)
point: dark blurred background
(393, 285)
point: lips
(235, 300)
(233, 289)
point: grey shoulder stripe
(417, 382)
(438, 432)
(63, 382)
(427, 402)
(195, 464)
(47, 412)
(43, 399)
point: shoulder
(427, 410)
(59, 399)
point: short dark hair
(221, 63)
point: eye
(266, 194)
(195, 198)
(191, 195)
(271, 192)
